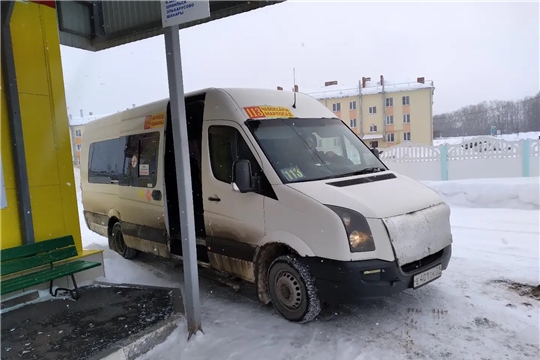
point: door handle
(214, 198)
(156, 195)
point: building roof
(372, 87)
(372, 136)
(79, 121)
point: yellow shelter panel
(61, 124)
(47, 210)
(5, 146)
(39, 142)
(45, 125)
(10, 231)
(29, 49)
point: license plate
(427, 276)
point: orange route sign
(154, 121)
(259, 112)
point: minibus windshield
(313, 149)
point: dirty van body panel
(143, 238)
(297, 218)
(141, 188)
(121, 177)
(234, 221)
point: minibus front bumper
(349, 281)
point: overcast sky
(472, 51)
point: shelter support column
(183, 174)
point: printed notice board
(179, 12)
(3, 200)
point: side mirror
(242, 180)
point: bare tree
(507, 116)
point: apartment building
(383, 113)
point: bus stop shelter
(37, 181)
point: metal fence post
(444, 162)
(525, 157)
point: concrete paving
(103, 319)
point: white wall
(481, 157)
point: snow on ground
(508, 137)
(510, 193)
(469, 313)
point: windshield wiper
(369, 170)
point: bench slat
(32, 249)
(39, 277)
(41, 259)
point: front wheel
(120, 244)
(292, 289)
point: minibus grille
(362, 180)
(422, 263)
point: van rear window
(129, 161)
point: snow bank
(508, 193)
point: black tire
(292, 289)
(119, 243)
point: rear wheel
(292, 290)
(120, 244)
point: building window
(407, 136)
(406, 100)
(336, 107)
(78, 133)
(352, 105)
(374, 144)
(389, 102)
(406, 118)
(389, 120)
(372, 109)
(390, 137)
(353, 123)
(78, 147)
(373, 128)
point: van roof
(244, 98)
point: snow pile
(533, 135)
(509, 193)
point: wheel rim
(288, 290)
(119, 240)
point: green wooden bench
(44, 253)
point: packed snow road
(485, 305)
(477, 310)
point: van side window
(105, 161)
(140, 160)
(227, 145)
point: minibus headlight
(357, 228)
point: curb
(139, 344)
(132, 348)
